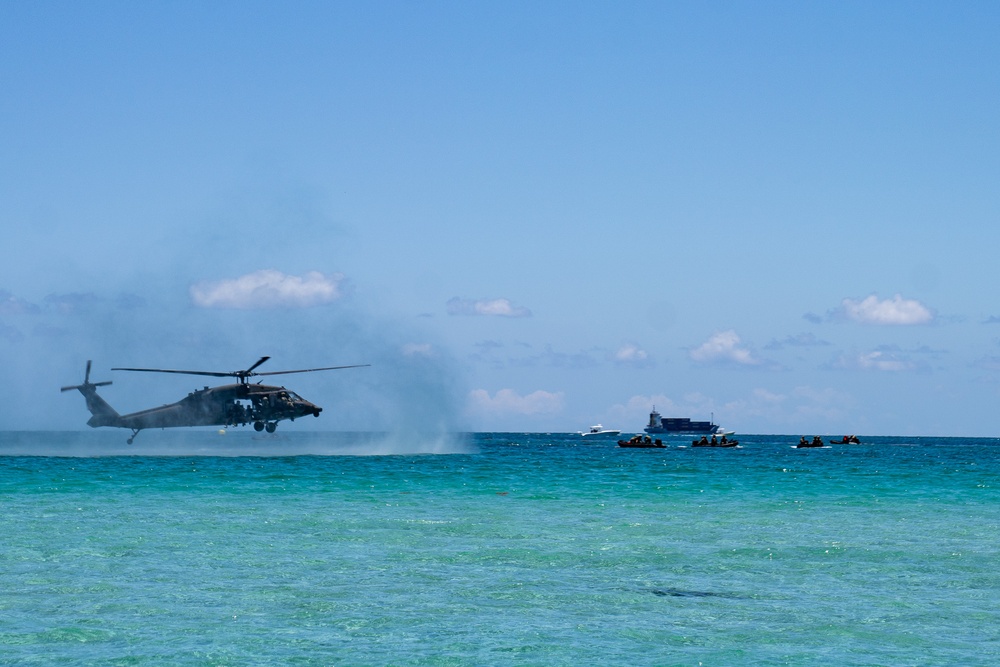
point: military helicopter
(229, 405)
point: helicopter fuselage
(228, 405)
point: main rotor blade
(259, 362)
(163, 370)
(311, 370)
(238, 374)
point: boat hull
(641, 445)
(728, 443)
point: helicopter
(228, 405)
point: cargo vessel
(681, 426)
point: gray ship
(681, 426)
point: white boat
(598, 430)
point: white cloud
(801, 407)
(724, 347)
(13, 305)
(74, 302)
(632, 355)
(760, 408)
(269, 289)
(635, 412)
(989, 363)
(877, 360)
(490, 307)
(889, 311)
(800, 340)
(418, 350)
(508, 401)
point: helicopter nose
(317, 410)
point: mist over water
(413, 382)
(230, 443)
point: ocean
(196, 548)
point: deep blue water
(496, 549)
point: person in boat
(802, 441)
(714, 440)
(724, 441)
(704, 440)
(647, 440)
(817, 441)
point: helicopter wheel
(129, 441)
(271, 426)
(258, 426)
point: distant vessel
(681, 426)
(597, 430)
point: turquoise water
(502, 549)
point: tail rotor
(87, 384)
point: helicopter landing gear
(269, 426)
(135, 432)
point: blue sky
(526, 216)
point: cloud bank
(876, 360)
(800, 340)
(880, 361)
(269, 289)
(896, 310)
(632, 355)
(508, 401)
(724, 347)
(13, 305)
(418, 350)
(488, 307)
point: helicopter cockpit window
(293, 396)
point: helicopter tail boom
(102, 413)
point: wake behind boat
(597, 430)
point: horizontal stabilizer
(103, 414)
